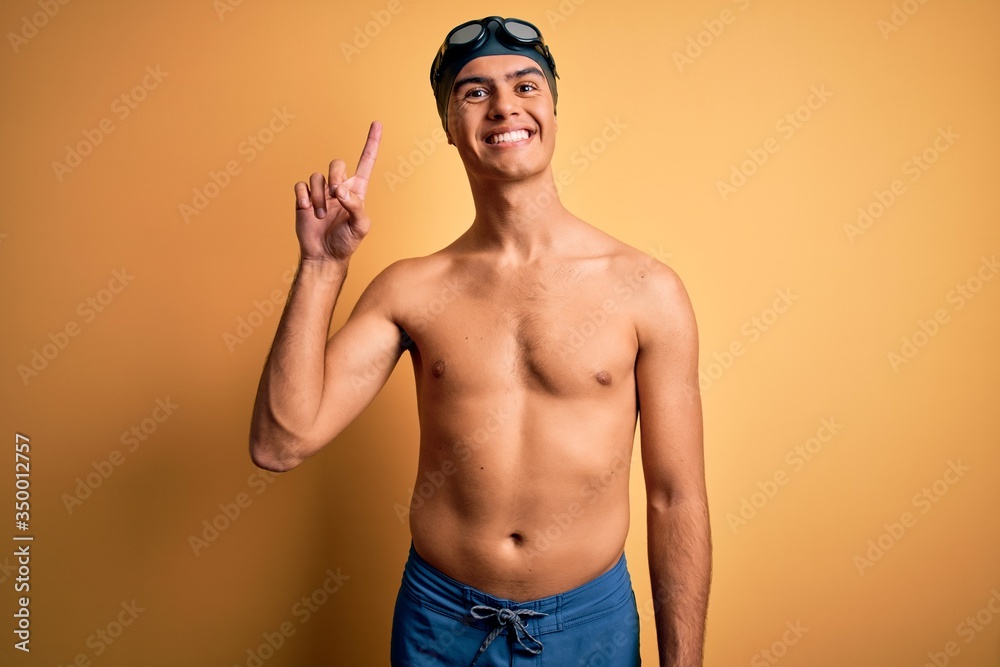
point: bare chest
(558, 334)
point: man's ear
(448, 134)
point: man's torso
(527, 404)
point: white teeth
(516, 135)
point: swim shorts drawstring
(506, 617)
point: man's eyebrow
(484, 80)
(471, 79)
(524, 72)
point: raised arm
(312, 388)
(678, 531)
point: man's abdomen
(527, 495)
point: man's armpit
(405, 341)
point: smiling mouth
(509, 137)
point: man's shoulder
(408, 269)
(659, 299)
(405, 280)
(617, 252)
(647, 268)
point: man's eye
(476, 92)
(526, 87)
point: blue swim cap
(491, 36)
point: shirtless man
(555, 337)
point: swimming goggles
(471, 35)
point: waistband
(434, 589)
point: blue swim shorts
(439, 621)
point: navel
(603, 377)
(438, 368)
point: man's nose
(503, 104)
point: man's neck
(518, 219)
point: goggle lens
(465, 35)
(521, 30)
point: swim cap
(491, 36)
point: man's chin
(506, 169)
(510, 174)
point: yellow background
(679, 127)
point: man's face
(501, 117)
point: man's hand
(330, 219)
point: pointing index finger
(367, 161)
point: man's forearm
(680, 568)
(291, 385)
